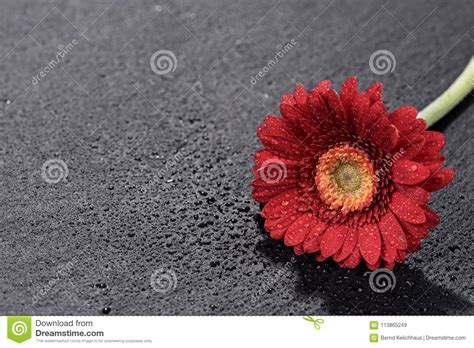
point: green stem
(451, 97)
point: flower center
(345, 178)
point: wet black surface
(159, 165)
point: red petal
(287, 98)
(389, 252)
(300, 94)
(278, 227)
(298, 249)
(434, 141)
(319, 257)
(375, 92)
(264, 194)
(432, 219)
(369, 120)
(290, 112)
(298, 231)
(332, 239)
(336, 108)
(278, 233)
(348, 93)
(311, 124)
(276, 136)
(401, 254)
(323, 87)
(413, 244)
(406, 209)
(389, 265)
(434, 166)
(409, 145)
(404, 119)
(374, 266)
(431, 160)
(416, 193)
(409, 172)
(370, 243)
(438, 180)
(275, 171)
(317, 107)
(360, 108)
(280, 223)
(278, 178)
(383, 134)
(392, 232)
(352, 260)
(348, 246)
(282, 205)
(263, 156)
(415, 231)
(273, 175)
(430, 153)
(313, 239)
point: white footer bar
(295, 331)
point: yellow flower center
(345, 178)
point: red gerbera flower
(341, 177)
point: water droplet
(106, 310)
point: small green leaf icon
(316, 322)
